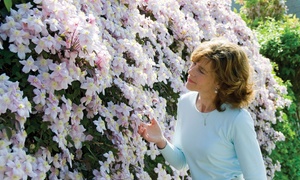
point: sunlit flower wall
(79, 76)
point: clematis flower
(28, 65)
(20, 49)
(5, 102)
(52, 110)
(34, 25)
(24, 108)
(40, 45)
(16, 171)
(35, 81)
(10, 24)
(24, 8)
(100, 125)
(18, 36)
(152, 152)
(43, 64)
(88, 45)
(109, 156)
(54, 24)
(90, 86)
(162, 174)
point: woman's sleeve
(172, 152)
(174, 156)
(247, 147)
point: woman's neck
(205, 104)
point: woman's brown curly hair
(232, 71)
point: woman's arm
(152, 133)
(247, 147)
(174, 156)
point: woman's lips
(190, 81)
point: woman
(214, 134)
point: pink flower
(24, 8)
(20, 49)
(44, 77)
(52, 110)
(16, 171)
(66, 109)
(34, 25)
(18, 36)
(152, 152)
(40, 45)
(90, 86)
(40, 97)
(35, 81)
(28, 65)
(54, 24)
(10, 23)
(3, 78)
(110, 157)
(43, 63)
(58, 42)
(60, 139)
(5, 102)
(58, 126)
(162, 174)
(58, 69)
(24, 108)
(100, 125)
(78, 111)
(77, 134)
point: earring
(216, 90)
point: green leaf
(8, 132)
(8, 4)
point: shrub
(280, 42)
(256, 11)
(77, 78)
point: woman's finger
(153, 121)
(141, 129)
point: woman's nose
(191, 68)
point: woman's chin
(189, 86)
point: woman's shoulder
(187, 98)
(237, 120)
(241, 117)
(188, 95)
(238, 111)
(236, 114)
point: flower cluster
(15, 163)
(94, 69)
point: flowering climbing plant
(78, 77)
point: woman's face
(201, 78)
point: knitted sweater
(224, 147)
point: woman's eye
(201, 70)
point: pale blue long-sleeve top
(224, 148)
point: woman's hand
(152, 133)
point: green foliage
(8, 4)
(280, 42)
(287, 152)
(38, 130)
(279, 37)
(256, 11)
